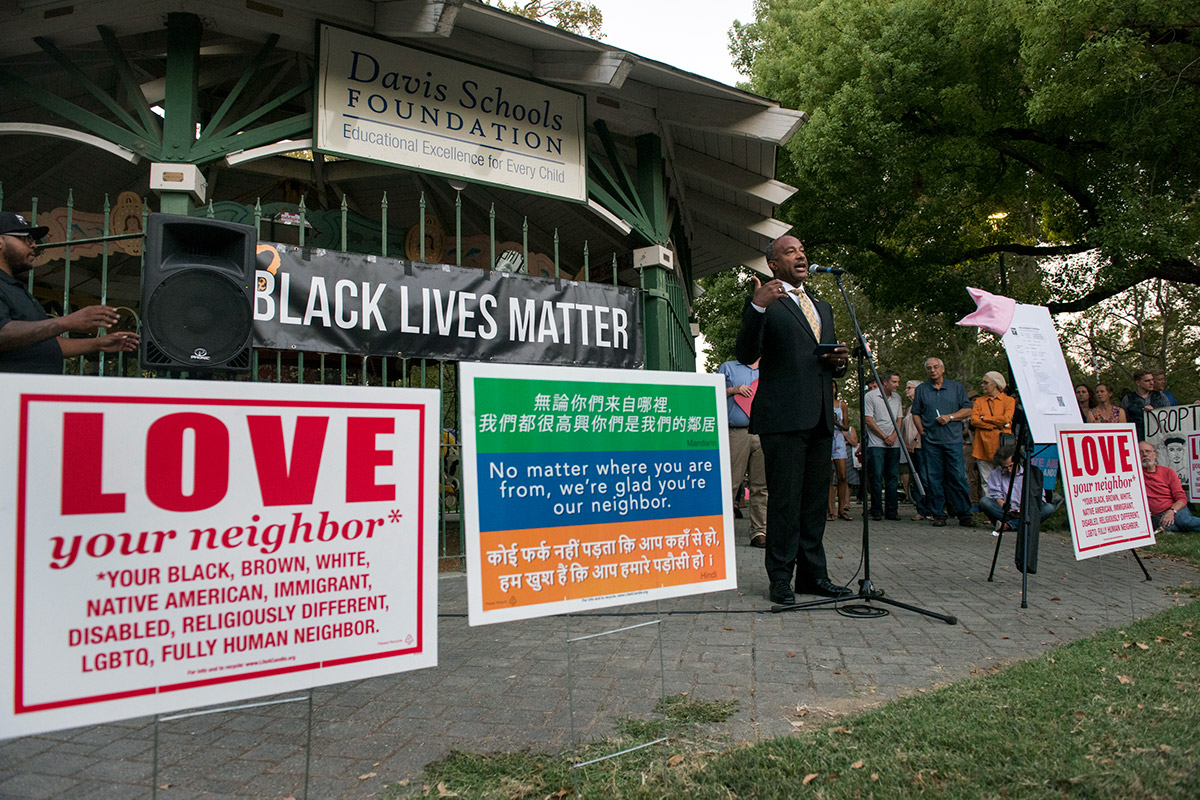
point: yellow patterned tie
(809, 311)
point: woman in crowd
(1102, 409)
(1086, 399)
(991, 416)
(839, 491)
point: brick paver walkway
(504, 687)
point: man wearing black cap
(29, 339)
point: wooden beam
(416, 18)
(58, 132)
(765, 123)
(731, 177)
(715, 210)
(607, 69)
(738, 254)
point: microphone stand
(866, 589)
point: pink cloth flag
(992, 311)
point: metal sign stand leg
(222, 709)
(662, 677)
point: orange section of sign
(547, 565)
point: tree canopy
(944, 133)
(575, 16)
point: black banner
(334, 302)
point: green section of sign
(528, 416)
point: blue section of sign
(544, 490)
(1045, 458)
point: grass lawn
(1112, 717)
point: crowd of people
(988, 448)
(948, 417)
(959, 444)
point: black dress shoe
(827, 588)
(966, 521)
(781, 593)
(892, 517)
(939, 522)
(876, 516)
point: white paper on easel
(1040, 369)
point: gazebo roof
(719, 142)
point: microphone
(830, 270)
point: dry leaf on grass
(809, 778)
(856, 765)
(674, 760)
(444, 792)
(1125, 679)
(368, 775)
(1143, 646)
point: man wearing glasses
(29, 339)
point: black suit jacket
(795, 388)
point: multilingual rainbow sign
(589, 488)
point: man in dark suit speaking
(793, 415)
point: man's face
(17, 252)
(1145, 383)
(934, 369)
(891, 384)
(1149, 455)
(1160, 380)
(790, 264)
(1006, 465)
(1175, 453)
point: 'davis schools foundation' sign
(380, 101)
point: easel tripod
(1028, 517)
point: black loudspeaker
(198, 294)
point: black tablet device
(826, 349)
